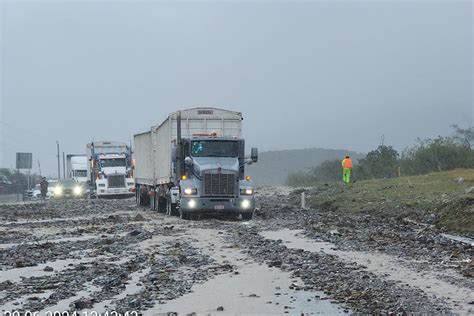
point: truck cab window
(120, 162)
(214, 148)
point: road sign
(24, 160)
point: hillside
(274, 167)
(444, 199)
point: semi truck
(110, 169)
(76, 168)
(193, 163)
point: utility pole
(39, 167)
(64, 167)
(59, 163)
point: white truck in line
(193, 163)
(110, 169)
(76, 168)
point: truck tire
(137, 195)
(153, 202)
(184, 215)
(144, 199)
(161, 206)
(247, 216)
(171, 208)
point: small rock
(459, 180)
(134, 233)
(139, 218)
(82, 304)
(48, 269)
(470, 190)
(220, 309)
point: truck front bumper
(114, 192)
(218, 205)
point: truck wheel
(137, 198)
(171, 208)
(162, 205)
(174, 209)
(247, 216)
(153, 202)
(184, 215)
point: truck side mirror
(254, 154)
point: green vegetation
(429, 155)
(274, 167)
(439, 198)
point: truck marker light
(248, 178)
(184, 177)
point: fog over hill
(273, 167)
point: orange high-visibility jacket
(347, 163)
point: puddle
(252, 292)
(130, 289)
(463, 240)
(16, 305)
(64, 304)
(64, 219)
(294, 239)
(15, 275)
(384, 266)
(80, 238)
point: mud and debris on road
(110, 255)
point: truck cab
(77, 168)
(193, 163)
(214, 176)
(110, 169)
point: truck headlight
(58, 191)
(245, 204)
(190, 191)
(246, 191)
(192, 203)
(77, 190)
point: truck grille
(116, 180)
(219, 184)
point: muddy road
(109, 255)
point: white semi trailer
(76, 168)
(110, 170)
(194, 163)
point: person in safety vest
(346, 169)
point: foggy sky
(304, 74)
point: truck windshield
(80, 173)
(119, 162)
(214, 148)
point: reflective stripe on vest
(347, 163)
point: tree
(439, 154)
(464, 136)
(379, 163)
